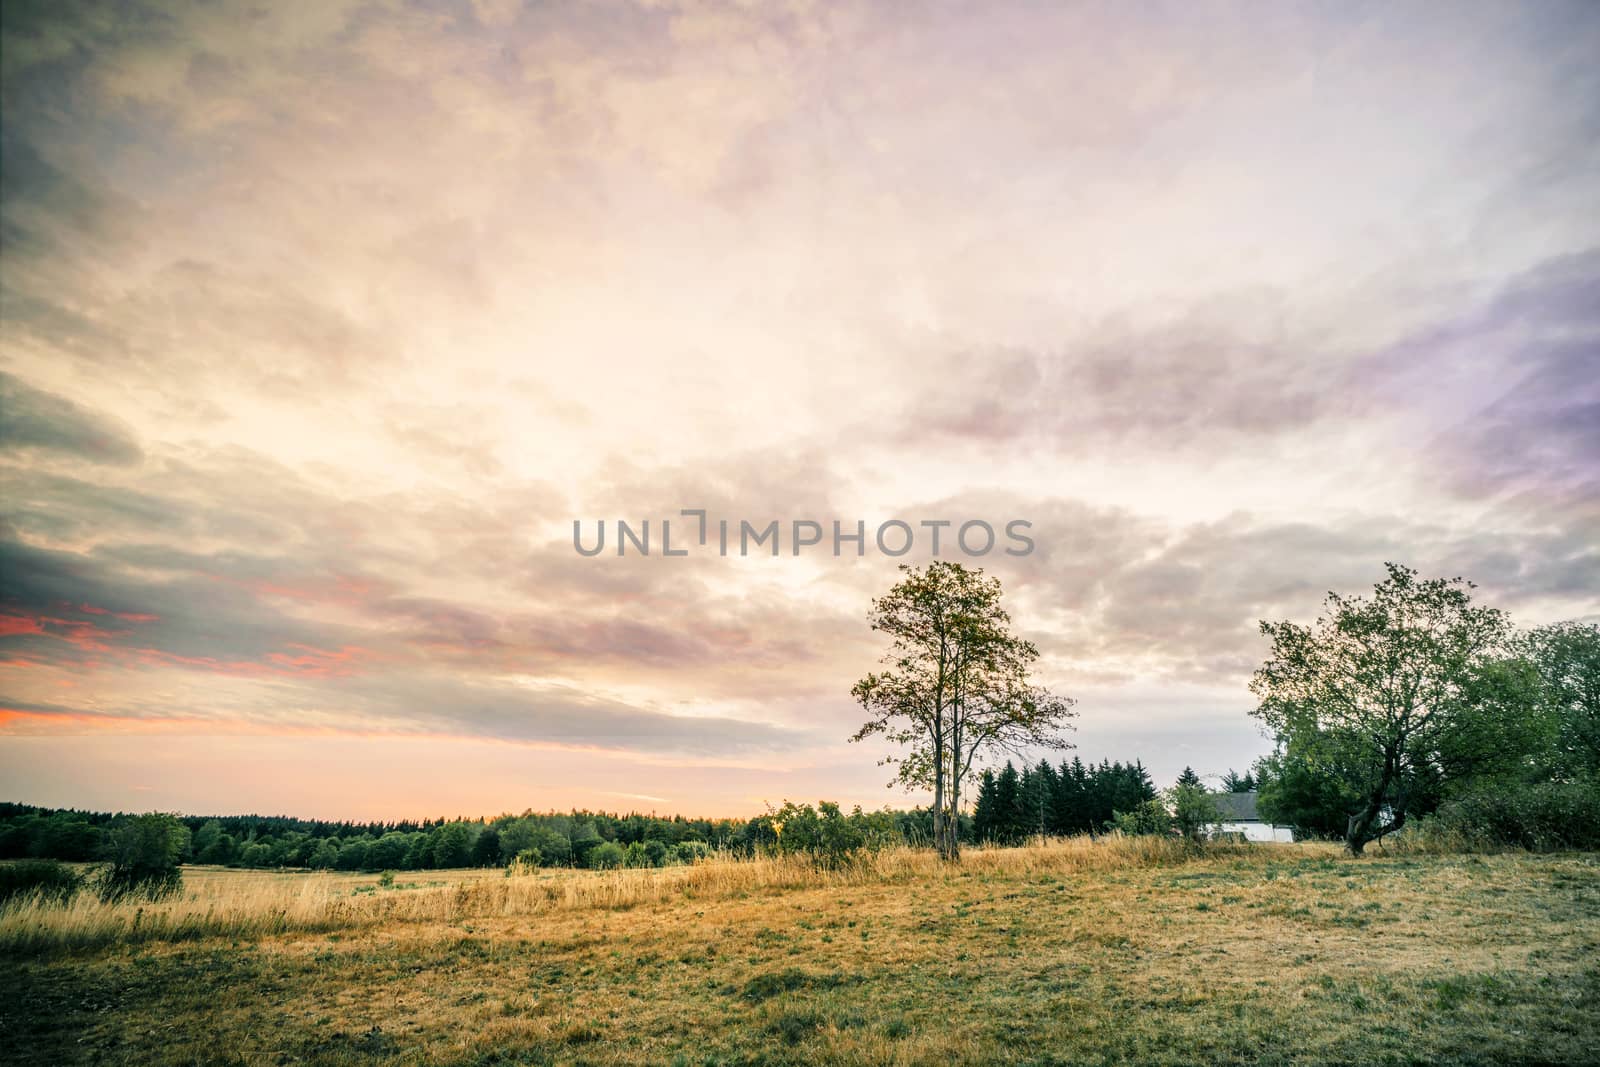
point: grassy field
(1077, 952)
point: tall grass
(249, 905)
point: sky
(321, 324)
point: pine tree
(983, 813)
(1189, 778)
(1009, 817)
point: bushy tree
(605, 856)
(142, 854)
(1195, 814)
(1377, 687)
(516, 837)
(1148, 818)
(326, 855)
(1566, 657)
(486, 849)
(452, 845)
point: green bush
(606, 856)
(690, 852)
(143, 854)
(826, 834)
(46, 879)
(1150, 817)
(1547, 817)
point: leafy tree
(452, 845)
(143, 854)
(1195, 814)
(353, 853)
(516, 837)
(1567, 659)
(690, 852)
(1148, 818)
(584, 838)
(66, 836)
(825, 833)
(1376, 687)
(553, 847)
(486, 849)
(326, 855)
(955, 686)
(388, 852)
(47, 880)
(1301, 787)
(606, 856)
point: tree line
(1081, 798)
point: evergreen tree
(1233, 782)
(1189, 778)
(983, 813)
(1010, 818)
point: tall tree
(955, 686)
(1010, 818)
(1377, 687)
(1189, 778)
(1567, 658)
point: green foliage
(1381, 690)
(1195, 814)
(1541, 817)
(690, 852)
(486, 849)
(1301, 787)
(826, 834)
(1234, 782)
(1072, 799)
(606, 856)
(1566, 658)
(142, 854)
(452, 845)
(1149, 818)
(47, 879)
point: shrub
(143, 855)
(1547, 817)
(1150, 817)
(827, 835)
(690, 852)
(1194, 813)
(606, 856)
(45, 879)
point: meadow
(1076, 951)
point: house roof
(1237, 807)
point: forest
(1082, 798)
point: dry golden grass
(218, 902)
(1112, 951)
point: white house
(1239, 817)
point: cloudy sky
(322, 322)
